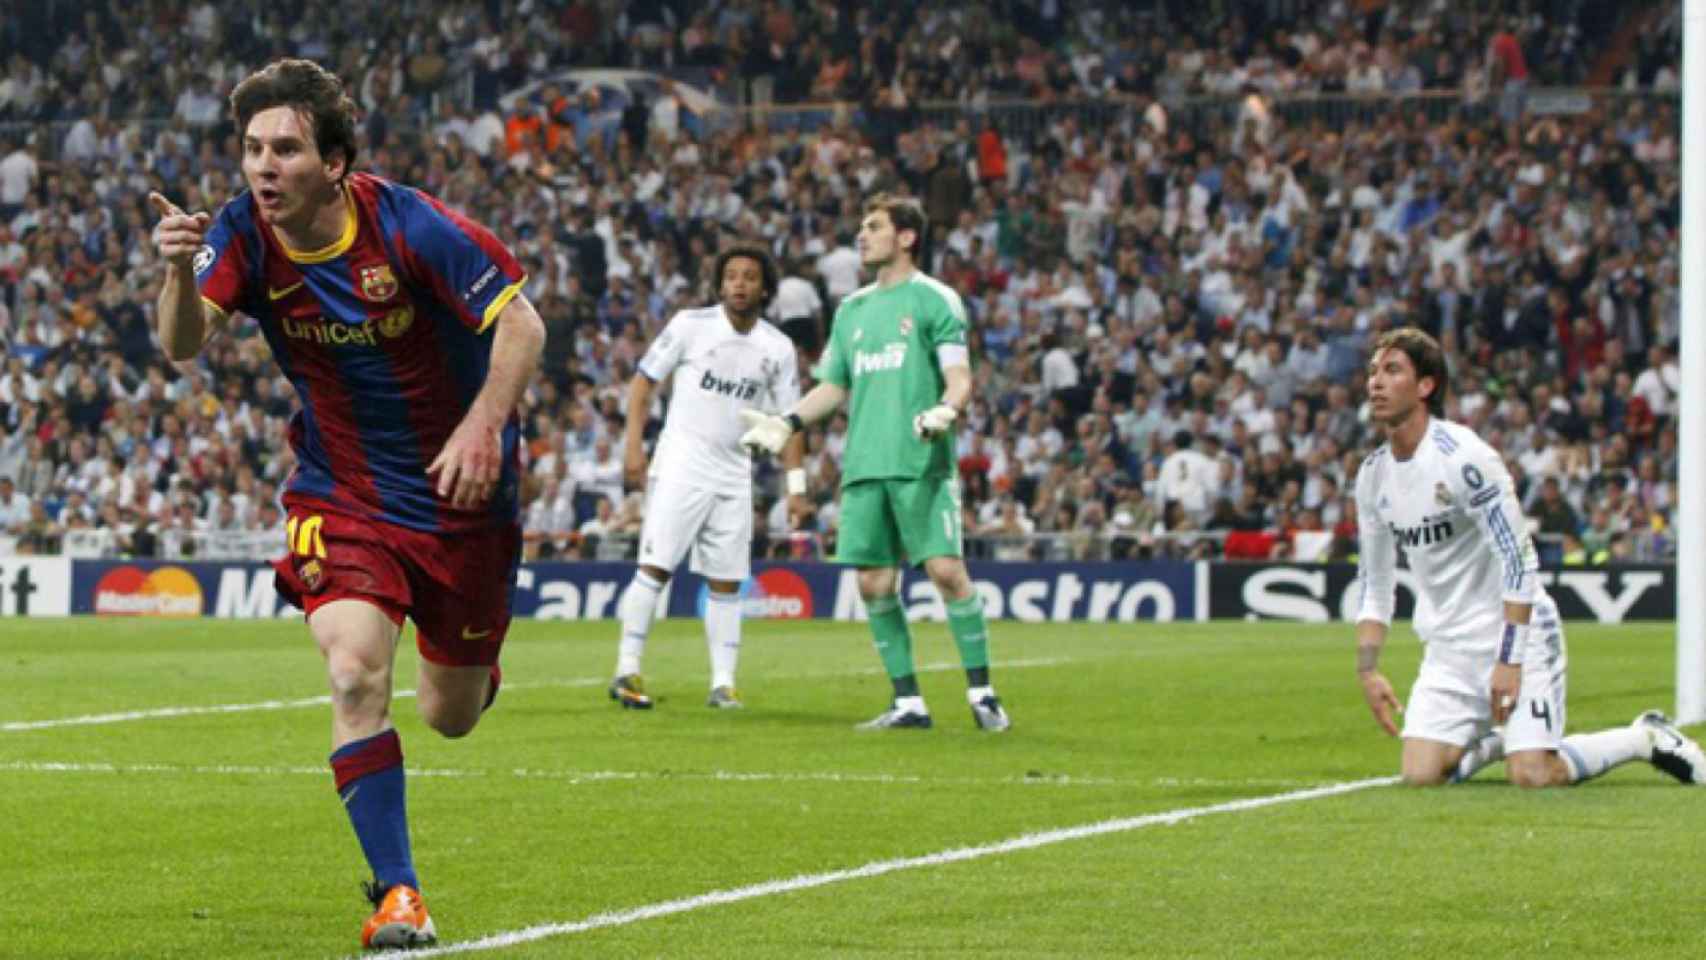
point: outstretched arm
(179, 311)
(818, 404)
(769, 433)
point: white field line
(1028, 841)
(583, 777)
(162, 713)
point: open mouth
(268, 197)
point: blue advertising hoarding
(1029, 592)
(590, 591)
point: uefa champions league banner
(1034, 592)
(1331, 591)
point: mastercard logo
(134, 592)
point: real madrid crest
(1442, 495)
(378, 282)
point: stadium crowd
(1171, 303)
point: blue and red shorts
(456, 587)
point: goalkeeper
(897, 354)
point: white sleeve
(1377, 556)
(785, 384)
(665, 352)
(1484, 487)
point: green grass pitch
(169, 830)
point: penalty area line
(1028, 841)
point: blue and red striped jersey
(386, 335)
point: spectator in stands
(1189, 479)
(39, 532)
(600, 473)
(1553, 513)
(1550, 280)
(798, 308)
(15, 508)
(20, 171)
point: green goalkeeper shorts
(891, 523)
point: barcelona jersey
(386, 335)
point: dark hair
(308, 88)
(1425, 355)
(906, 214)
(766, 267)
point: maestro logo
(772, 595)
(134, 592)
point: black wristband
(794, 422)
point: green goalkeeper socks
(894, 641)
(971, 635)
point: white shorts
(1451, 701)
(717, 526)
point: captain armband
(796, 479)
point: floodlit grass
(216, 833)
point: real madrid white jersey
(1453, 510)
(718, 372)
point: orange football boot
(401, 921)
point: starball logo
(334, 333)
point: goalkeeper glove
(934, 422)
(765, 433)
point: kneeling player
(1491, 684)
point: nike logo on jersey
(469, 633)
(273, 294)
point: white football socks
(722, 635)
(1587, 755)
(638, 604)
(1489, 749)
